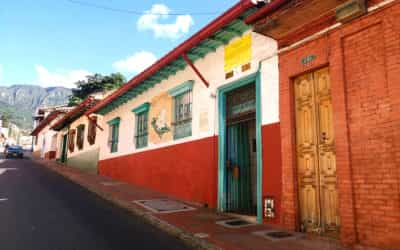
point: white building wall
(86, 145)
(204, 99)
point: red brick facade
(363, 57)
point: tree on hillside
(5, 117)
(95, 83)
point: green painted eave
(235, 29)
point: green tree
(6, 117)
(95, 83)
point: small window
(80, 136)
(183, 115)
(141, 133)
(113, 134)
(141, 130)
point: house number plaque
(308, 59)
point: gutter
(179, 51)
(73, 112)
(267, 9)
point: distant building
(10, 133)
(44, 138)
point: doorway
(64, 148)
(316, 157)
(240, 147)
(241, 150)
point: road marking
(3, 170)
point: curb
(187, 238)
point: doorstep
(197, 226)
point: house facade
(77, 138)
(287, 113)
(339, 110)
(45, 138)
(178, 130)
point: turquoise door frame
(222, 91)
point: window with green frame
(141, 133)
(183, 115)
(113, 134)
(182, 109)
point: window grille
(183, 115)
(113, 137)
(141, 129)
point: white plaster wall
(86, 145)
(204, 99)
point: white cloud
(153, 18)
(64, 79)
(135, 63)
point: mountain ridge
(20, 101)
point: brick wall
(364, 61)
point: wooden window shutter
(92, 130)
(71, 142)
(80, 136)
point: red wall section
(272, 167)
(186, 171)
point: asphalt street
(40, 210)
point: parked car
(14, 151)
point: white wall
(204, 99)
(86, 145)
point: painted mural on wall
(160, 116)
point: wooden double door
(316, 157)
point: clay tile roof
(53, 115)
(75, 113)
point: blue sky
(55, 42)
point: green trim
(259, 148)
(184, 87)
(114, 121)
(142, 108)
(209, 45)
(222, 140)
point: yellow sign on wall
(237, 53)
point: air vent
(350, 10)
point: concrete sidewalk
(197, 227)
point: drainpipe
(190, 63)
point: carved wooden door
(316, 160)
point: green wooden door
(238, 169)
(64, 149)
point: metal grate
(278, 235)
(234, 223)
(164, 206)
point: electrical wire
(136, 12)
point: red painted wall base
(272, 168)
(187, 171)
(50, 155)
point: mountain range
(20, 101)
